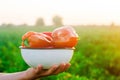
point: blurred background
(97, 22)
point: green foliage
(96, 56)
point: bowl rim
(48, 48)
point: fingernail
(39, 66)
(63, 64)
(55, 66)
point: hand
(34, 73)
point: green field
(96, 56)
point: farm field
(96, 56)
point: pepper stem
(26, 43)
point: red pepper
(48, 33)
(36, 40)
(64, 37)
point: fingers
(49, 71)
(33, 73)
(60, 68)
(67, 66)
(39, 69)
(63, 67)
(52, 71)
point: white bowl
(46, 57)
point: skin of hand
(38, 72)
(35, 73)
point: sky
(72, 11)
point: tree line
(56, 21)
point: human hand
(34, 73)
